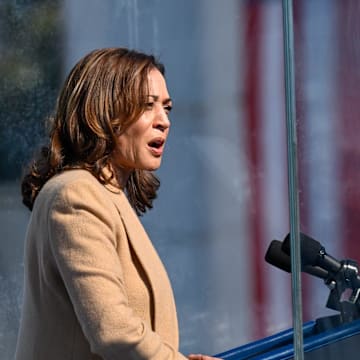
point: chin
(152, 166)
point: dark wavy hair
(104, 93)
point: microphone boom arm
(345, 291)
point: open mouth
(156, 144)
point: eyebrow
(156, 98)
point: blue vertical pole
(293, 177)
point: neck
(121, 176)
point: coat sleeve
(82, 238)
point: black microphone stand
(344, 296)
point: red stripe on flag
(253, 31)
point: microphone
(313, 254)
(280, 259)
(339, 276)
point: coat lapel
(165, 320)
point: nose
(162, 121)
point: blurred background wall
(224, 192)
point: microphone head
(276, 257)
(310, 249)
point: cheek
(129, 148)
(124, 146)
(134, 140)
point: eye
(168, 108)
(149, 105)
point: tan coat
(95, 287)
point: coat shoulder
(74, 184)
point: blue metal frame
(280, 346)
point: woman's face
(141, 145)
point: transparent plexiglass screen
(224, 192)
(327, 98)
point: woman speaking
(95, 287)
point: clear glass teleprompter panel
(327, 57)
